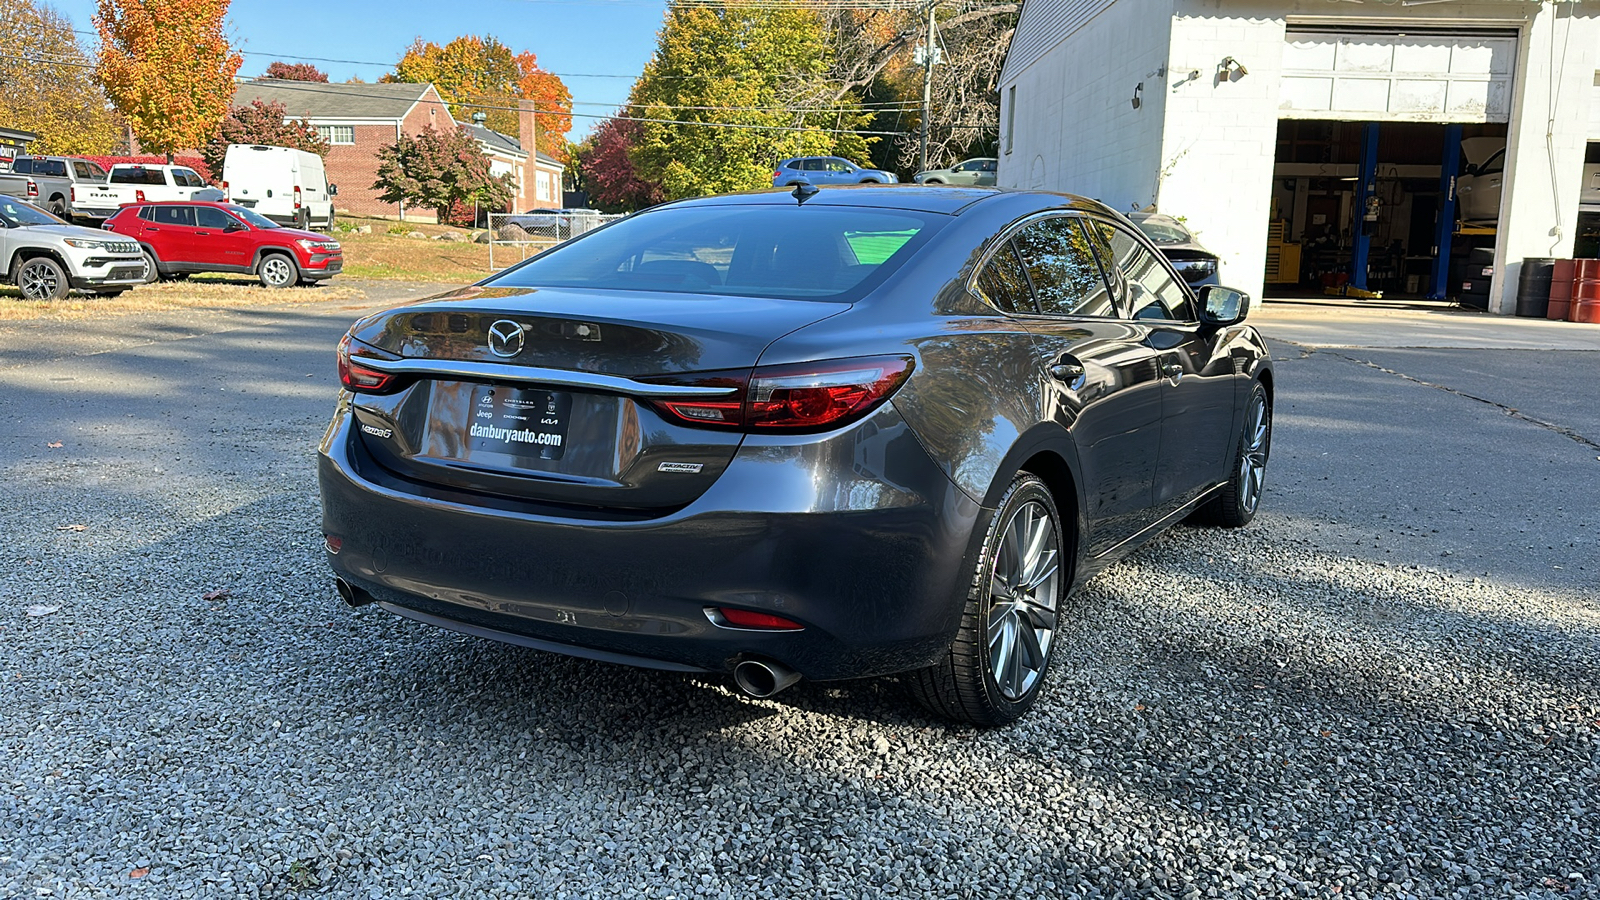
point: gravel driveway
(1389, 685)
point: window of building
(337, 134)
(543, 183)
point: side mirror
(234, 226)
(333, 190)
(1223, 306)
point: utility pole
(927, 88)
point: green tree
(45, 86)
(436, 169)
(751, 64)
(261, 123)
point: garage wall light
(1138, 95)
(1230, 65)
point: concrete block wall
(1221, 135)
(1075, 128)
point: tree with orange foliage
(167, 68)
(481, 74)
(285, 71)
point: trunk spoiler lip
(480, 371)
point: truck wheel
(58, 207)
(41, 278)
(277, 271)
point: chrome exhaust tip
(351, 594)
(760, 678)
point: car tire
(42, 278)
(152, 270)
(995, 669)
(277, 270)
(58, 208)
(302, 219)
(1239, 499)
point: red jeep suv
(183, 237)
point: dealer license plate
(519, 422)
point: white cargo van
(285, 185)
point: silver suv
(45, 257)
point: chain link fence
(516, 236)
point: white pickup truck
(140, 183)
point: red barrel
(1585, 292)
(1560, 290)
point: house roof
(494, 140)
(316, 100)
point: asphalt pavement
(1386, 686)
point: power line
(311, 87)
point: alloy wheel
(277, 271)
(1023, 589)
(38, 281)
(1253, 461)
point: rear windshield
(137, 175)
(1164, 232)
(782, 252)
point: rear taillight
(357, 377)
(297, 197)
(803, 398)
(73, 193)
(33, 188)
(138, 196)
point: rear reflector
(744, 618)
(808, 397)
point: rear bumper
(857, 535)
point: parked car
(149, 183)
(183, 238)
(52, 182)
(286, 185)
(567, 221)
(827, 170)
(1177, 243)
(979, 171)
(1478, 187)
(886, 431)
(45, 257)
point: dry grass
(195, 293)
(384, 255)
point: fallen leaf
(218, 594)
(40, 610)
(1138, 707)
(140, 872)
(53, 444)
(72, 528)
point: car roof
(941, 199)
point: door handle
(206, 233)
(152, 229)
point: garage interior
(1402, 210)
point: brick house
(357, 120)
(539, 180)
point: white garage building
(1312, 143)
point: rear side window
(1151, 292)
(1066, 278)
(147, 213)
(51, 167)
(86, 171)
(1004, 284)
(188, 178)
(22, 166)
(174, 215)
(780, 252)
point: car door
(1199, 381)
(985, 175)
(1101, 381)
(961, 173)
(216, 245)
(171, 231)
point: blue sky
(572, 38)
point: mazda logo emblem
(505, 338)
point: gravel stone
(1278, 711)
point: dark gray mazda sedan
(824, 434)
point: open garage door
(1388, 76)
